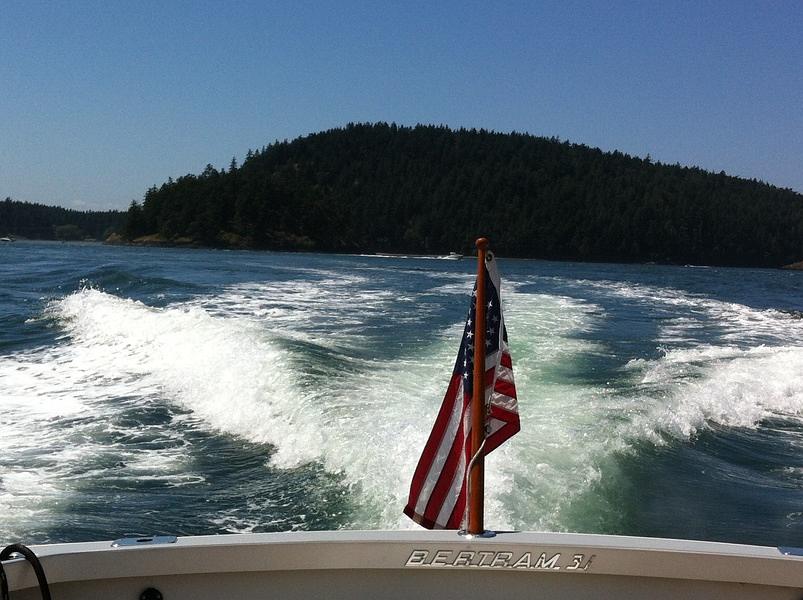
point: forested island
(42, 222)
(429, 189)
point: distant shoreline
(157, 241)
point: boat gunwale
(392, 550)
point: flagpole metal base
(485, 534)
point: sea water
(169, 391)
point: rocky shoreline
(278, 241)
(156, 240)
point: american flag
(438, 491)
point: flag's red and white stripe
(438, 492)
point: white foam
(224, 357)
(227, 371)
(685, 312)
(567, 426)
(689, 389)
(572, 434)
(307, 310)
(376, 422)
(59, 402)
(219, 358)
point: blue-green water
(189, 391)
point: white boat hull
(413, 564)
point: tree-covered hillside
(42, 222)
(426, 189)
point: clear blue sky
(99, 100)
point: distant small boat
(6, 239)
(453, 256)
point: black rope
(31, 558)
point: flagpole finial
(481, 243)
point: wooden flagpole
(476, 492)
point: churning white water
(346, 371)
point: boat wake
(259, 362)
